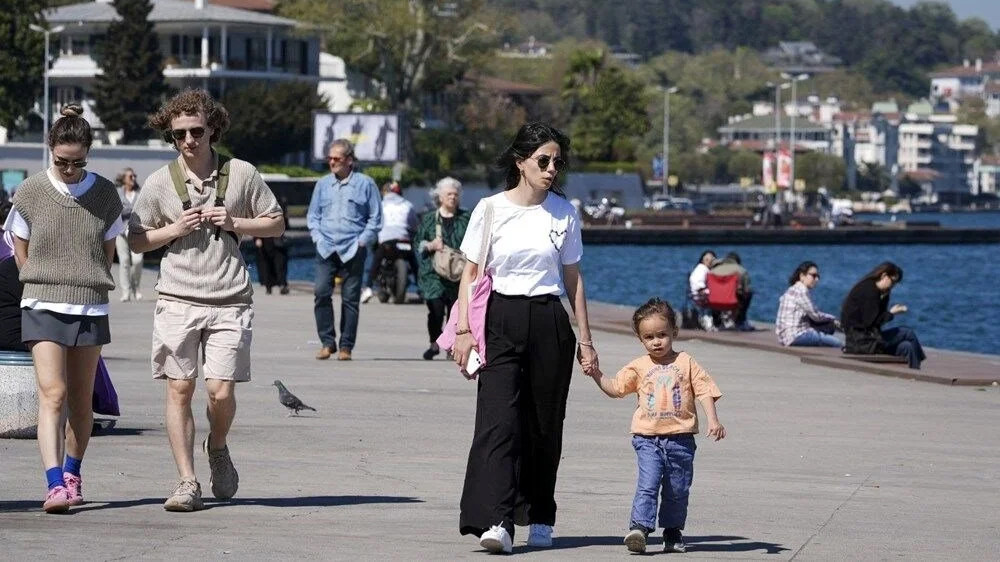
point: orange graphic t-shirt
(666, 393)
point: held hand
(898, 309)
(463, 345)
(187, 222)
(587, 356)
(716, 431)
(219, 216)
(434, 245)
(258, 242)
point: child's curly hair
(191, 102)
(653, 307)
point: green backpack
(177, 176)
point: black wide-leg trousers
(520, 408)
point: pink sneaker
(56, 501)
(74, 488)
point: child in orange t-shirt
(666, 383)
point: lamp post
(666, 136)
(795, 103)
(45, 80)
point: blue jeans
(902, 341)
(366, 277)
(814, 338)
(350, 292)
(666, 469)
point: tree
(131, 85)
(270, 120)
(410, 47)
(821, 170)
(607, 108)
(744, 164)
(20, 58)
(872, 176)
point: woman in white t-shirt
(534, 258)
(129, 262)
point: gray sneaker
(225, 479)
(187, 497)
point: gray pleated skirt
(71, 330)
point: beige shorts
(221, 333)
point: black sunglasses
(181, 134)
(545, 159)
(814, 275)
(63, 164)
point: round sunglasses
(181, 134)
(544, 160)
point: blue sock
(72, 465)
(55, 477)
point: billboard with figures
(375, 136)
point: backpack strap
(177, 176)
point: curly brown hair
(191, 102)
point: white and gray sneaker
(367, 294)
(540, 535)
(497, 540)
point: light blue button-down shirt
(344, 214)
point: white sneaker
(497, 540)
(137, 296)
(125, 297)
(540, 535)
(367, 294)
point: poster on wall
(375, 136)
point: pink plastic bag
(479, 296)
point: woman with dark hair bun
(65, 221)
(533, 255)
(866, 309)
(799, 321)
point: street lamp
(666, 136)
(777, 112)
(45, 76)
(795, 103)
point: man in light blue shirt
(345, 216)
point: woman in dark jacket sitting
(866, 309)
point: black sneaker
(432, 351)
(673, 541)
(635, 541)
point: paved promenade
(820, 463)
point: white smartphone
(474, 362)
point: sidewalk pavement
(820, 463)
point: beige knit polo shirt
(198, 268)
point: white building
(203, 45)
(975, 80)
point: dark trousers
(902, 341)
(388, 248)
(520, 408)
(437, 311)
(350, 293)
(744, 302)
(272, 263)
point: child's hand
(716, 430)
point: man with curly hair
(198, 206)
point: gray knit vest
(66, 260)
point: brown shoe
(324, 353)
(344, 355)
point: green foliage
(383, 175)
(20, 58)
(873, 177)
(821, 170)
(629, 167)
(973, 112)
(289, 170)
(744, 164)
(606, 105)
(410, 46)
(131, 85)
(270, 119)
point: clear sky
(988, 10)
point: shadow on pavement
(708, 543)
(305, 501)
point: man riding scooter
(394, 258)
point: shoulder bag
(448, 262)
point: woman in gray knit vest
(65, 221)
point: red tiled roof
(962, 71)
(991, 160)
(922, 174)
(993, 88)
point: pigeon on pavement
(290, 401)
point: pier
(820, 463)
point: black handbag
(864, 341)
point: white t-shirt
(698, 278)
(19, 227)
(529, 244)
